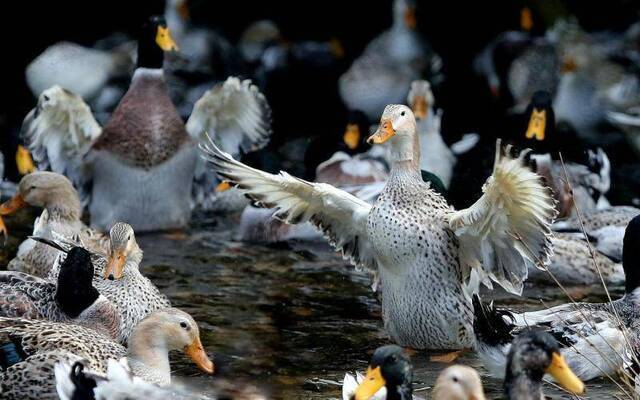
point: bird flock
(78, 319)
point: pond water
(291, 319)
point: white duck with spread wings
(427, 256)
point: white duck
(427, 256)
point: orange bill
(223, 187)
(526, 19)
(410, 18)
(115, 265)
(12, 205)
(351, 136)
(420, 107)
(196, 353)
(385, 132)
(3, 229)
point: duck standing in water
(141, 166)
(428, 257)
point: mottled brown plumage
(145, 129)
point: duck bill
(196, 353)
(526, 19)
(164, 39)
(223, 187)
(351, 136)
(24, 161)
(12, 205)
(420, 107)
(385, 132)
(537, 124)
(410, 18)
(115, 265)
(372, 382)
(568, 65)
(563, 375)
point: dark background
(304, 102)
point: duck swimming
(117, 277)
(71, 299)
(140, 167)
(427, 255)
(595, 338)
(62, 213)
(39, 345)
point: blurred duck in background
(141, 166)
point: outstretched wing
(59, 132)
(509, 227)
(341, 216)
(235, 113)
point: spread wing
(341, 216)
(509, 227)
(59, 132)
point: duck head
(75, 291)
(122, 245)
(458, 382)
(155, 38)
(420, 98)
(48, 190)
(390, 368)
(534, 353)
(398, 127)
(164, 331)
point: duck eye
(455, 379)
(32, 187)
(183, 324)
(129, 237)
(45, 97)
(402, 113)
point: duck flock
(131, 137)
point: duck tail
(491, 326)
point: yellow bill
(372, 382)
(537, 124)
(385, 132)
(563, 375)
(24, 162)
(351, 136)
(164, 39)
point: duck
(117, 277)
(428, 257)
(128, 174)
(533, 354)
(389, 376)
(438, 158)
(628, 120)
(604, 228)
(62, 213)
(588, 171)
(76, 382)
(458, 382)
(81, 69)
(572, 264)
(71, 299)
(388, 64)
(597, 339)
(35, 346)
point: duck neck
(523, 385)
(405, 157)
(401, 392)
(64, 207)
(150, 55)
(148, 347)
